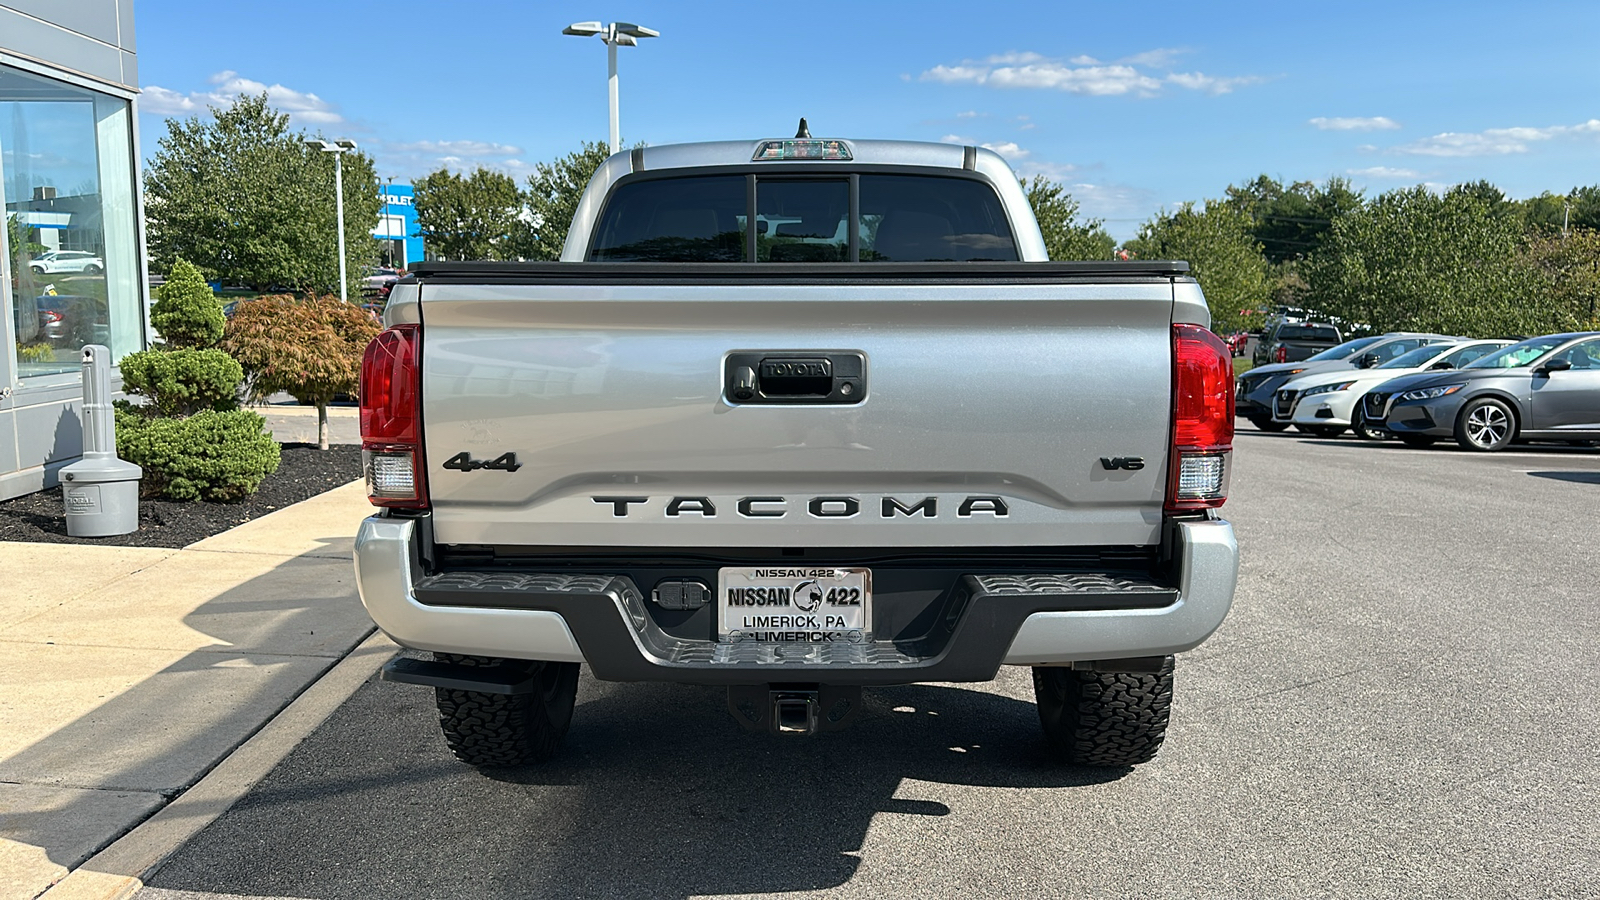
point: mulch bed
(303, 472)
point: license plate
(798, 605)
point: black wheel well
(1509, 401)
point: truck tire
(1104, 718)
(494, 730)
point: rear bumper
(986, 620)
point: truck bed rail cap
(440, 272)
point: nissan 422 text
(796, 417)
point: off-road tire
(1326, 431)
(1417, 441)
(1104, 718)
(1268, 425)
(1486, 425)
(496, 730)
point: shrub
(210, 455)
(183, 382)
(35, 353)
(310, 349)
(186, 313)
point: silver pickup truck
(796, 417)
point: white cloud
(1494, 141)
(162, 102)
(457, 148)
(421, 157)
(1211, 84)
(1083, 74)
(1384, 172)
(956, 74)
(304, 108)
(1050, 170)
(1355, 123)
(1007, 149)
(1013, 59)
(1094, 81)
(969, 114)
(1159, 58)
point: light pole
(614, 34)
(338, 149)
(388, 225)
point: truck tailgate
(1033, 414)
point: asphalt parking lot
(1402, 703)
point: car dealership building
(71, 254)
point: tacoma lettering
(774, 507)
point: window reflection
(66, 176)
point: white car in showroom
(1327, 403)
(64, 262)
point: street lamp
(614, 34)
(388, 230)
(338, 149)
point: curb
(118, 871)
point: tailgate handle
(785, 376)
(796, 377)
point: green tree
(186, 313)
(471, 217)
(1416, 260)
(1291, 221)
(1065, 236)
(1585, 207)
(189, 434)
(1570, 267)
(1544, 214)
(310, 349)
(552, 197)
(1222, 252)
(19, 238)
(242, 197)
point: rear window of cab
(803, 218)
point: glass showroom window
(71, 267)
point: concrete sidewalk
(295, 424)
(126, 674)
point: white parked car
(62, 262)
(1327, 403)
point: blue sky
(1133, 106)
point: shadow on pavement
(657, 793)
(1574, 477)
(274, 634)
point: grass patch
(1241, 365)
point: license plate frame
(796, 605)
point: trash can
(100, 492)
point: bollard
(100, 491)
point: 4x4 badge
(463, 462)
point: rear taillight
(1280, 355)
(1202, 419)
(391, 439)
